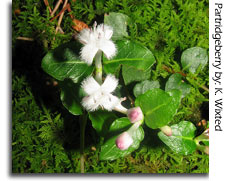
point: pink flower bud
(166, 130)
(124, 141)
(135, 114)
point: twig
(61, 16)
(66, 7)
(25, 38)
(172, 71)
(47, 4)
(69, 10)
(56, 7)
(61, 31)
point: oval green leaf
(175, 82)
(181, 140)
(133, 55)
(109, 151)
(194, 57)
(144, 86)
(64, 62)
(158, 106)
(118, 22)
(101, 121)
(71, 96)
(131, 74)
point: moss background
(45, 137)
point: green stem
(83, 122)
(98, 66)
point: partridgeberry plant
(94, 72)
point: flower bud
(166, 130)
(135, 114)
(124, 141)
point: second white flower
(100, 96)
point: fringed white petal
(90, 85)
(108, 48)
(88, 53)
(109, 101)
(109, 84)
(89, 103)
(84, 36)
(100, 30)
(104, 31)
(108, 32)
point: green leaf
(118, 22)
(71, 96)
(182, 139)
(131, 74)
(175, 82)
(101, 121)
(119, 125)
(176, 99)
(109, 151)
(135, 59)
(158, 106)
(144, 86)
(63, 62)
(194, 57)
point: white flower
(100, 96)
(96, 39)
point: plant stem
(60, 17)
(98, 66)
(47, 5)
(120, 108)
(83, 122)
